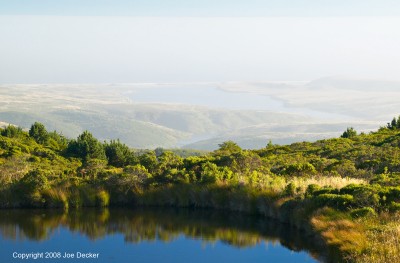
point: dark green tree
(398, 122)
(118, 154)
(168, 168)
(228, 147)
(168, 160)
(86, 147)
(394, 124)
(12, 131)
(349, 133)
(149, 160)
(57, 141)
(39, 133)
(159, 151)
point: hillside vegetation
(344, 190)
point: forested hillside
(345, 190)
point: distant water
(150, 235)
(203, 95)
(209, 95)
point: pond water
(148, 235)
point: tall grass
(339, 231)
(56, 198)
(277, 184)
(383, 235)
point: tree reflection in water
(150, 224)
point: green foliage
(334, 200)
(56, 141)
(394, 124)
(303, 181)
(12, 132)
(290, 189)
(35, 180)
(149, 160)
(30, 187)
(138, 173)
(169, 160)
(92, 168)
(325, 190)
(363, 212)
(228, 147)
(77, 176)
(311, 189)
(39, 133)
(364, 195)
(300, 169)
(394, 207)
(86, 147)
(118, 154)
(349, 133)
(210, 173)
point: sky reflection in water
(150, 236)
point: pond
(148, 235)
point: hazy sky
(202, 7)
(182, 41)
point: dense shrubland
(347, 189)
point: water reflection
(144, 225)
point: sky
(120, 41)
(202, 7)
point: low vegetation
(346, 190)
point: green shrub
(393, 194)
(290, 189)
(364, 195)
(363, 212)
(394, 207)
(311, 189)
(326, 190)
(300, 169)
(33, 181)
(353, 189)
(38, 133)
(334, 200)
(34, 159)
(12, 131)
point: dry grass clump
(278, 184)
(56, 197)
(383, 237)
(340, 231)
(337, 182)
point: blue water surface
(113, 246)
